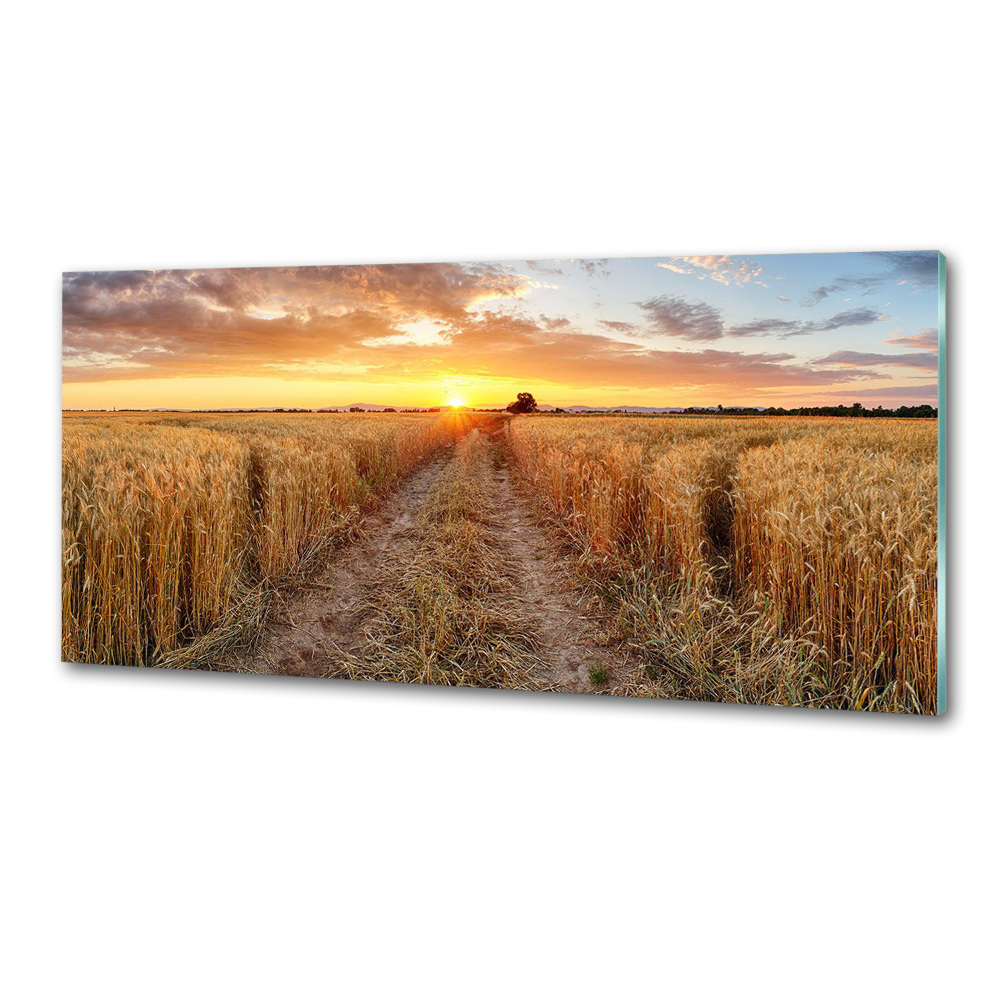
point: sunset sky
(784, 329)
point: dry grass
(446, 608)
(176, 528)
(788, 561)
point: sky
(760, 330)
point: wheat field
(174, 526)
(766, 560)
(778, 560)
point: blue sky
(882, 306)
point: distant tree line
(855, 410)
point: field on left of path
(177, 527)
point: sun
(456, 402)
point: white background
(190, 835)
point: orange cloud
(926, 340)
(357, 323)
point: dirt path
(317, 625)
(569, 634)
(319, 628)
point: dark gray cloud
(537, 265)
(594, 267)
(816, 295)
(763, 327)
(801, 328)
(618, 326)
(927, 392)
(858, 359)
(689, 319)
(553, 322)
(917, 268)
(848, 317)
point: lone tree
(525, 403)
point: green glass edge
(942, 664)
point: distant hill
(368, 406)
(624, 409)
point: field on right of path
(774, 560)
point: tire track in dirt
(316, 626)
(572, 639)
(445, 607)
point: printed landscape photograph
(710, 478)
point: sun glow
(456, 402)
